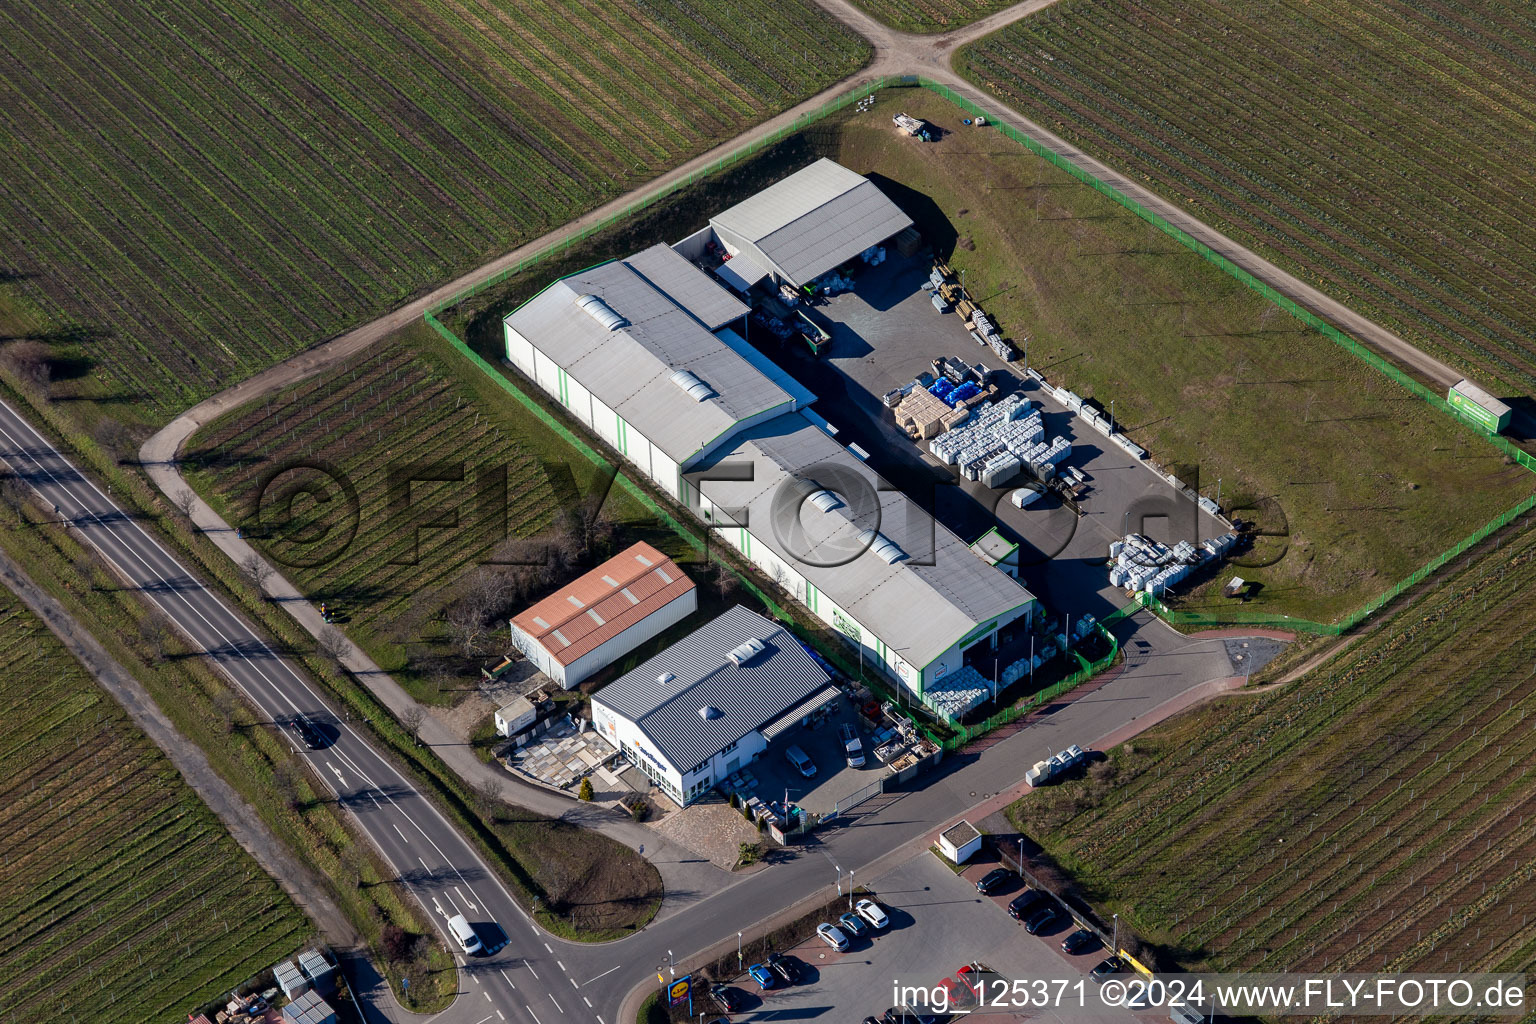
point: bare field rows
(114, 869)
(1378, 814)
(194, 191)
(1377, 148)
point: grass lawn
(1202, 371)
(1378, 149)
(1377, 814)
(114, 868)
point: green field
(196, 190)
(930, 16)
(1379, 149)
(1377, 814)
(1201, 370)
(114, 869)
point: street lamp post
(1116, 950)
(1021, 853)
(850, 888)
(1111, 417)
(739, 960)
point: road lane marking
(466, 902)
(401, 834)
(530, 968)
(573, 983)
(600, 1019)
(558, 963)
(482, 1020)
(506, 979)
(603, 975)
(532, 1014)
(557, 1005)
(487, 999)
(548, 950)
(587, 1001)
(499, 1014)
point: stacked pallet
(958, 692)
(1143, 565)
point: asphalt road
(526, 981)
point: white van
(459, 926)
(803, 764)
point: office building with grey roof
(649, 353)
(695, 713)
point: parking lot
(885, 333)
(836, 783)
(938, 923)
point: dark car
(1043, 920)
(871, 1020)
(784, 967)
(310, 736)
(1080, 941)
(994, 880)
(1024, 902)
(1107, 967)
(726, 997)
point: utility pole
(1116, 943)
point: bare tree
(411, 718)
(226, 705)
(256, 569)
(332, 645)
(185, 501)
(467, 626)
(488, 796)
(152, 633)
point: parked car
(764, 977)
(1107, 967)
(957, 994)
(1080, 941)
(870, 911)
(801, 762)
(1023, 497)
(908, 1015)
(994, 880)
(1043, 920)
(871, 1020)
(853, 925)
(1024, 904)
(726, 997)
(784, 967)
(833, 936)
(852, 745)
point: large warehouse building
(710, 703)
(645, 351)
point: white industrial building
(694, 714)
(647, 353)
(600, 616)
(805, 225)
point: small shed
(319, 971)
(1478, 406)
(309, 1008)
(515, 717)
(960, 842)
(289, 979)
(1235, 587)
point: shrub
(585, 792)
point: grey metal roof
(919, 610)
(812, 221)
(669, 305)
(748, 696)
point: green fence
(1086, 669)
(1306, 316)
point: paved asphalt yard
(939, 922)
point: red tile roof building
(604, 614)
